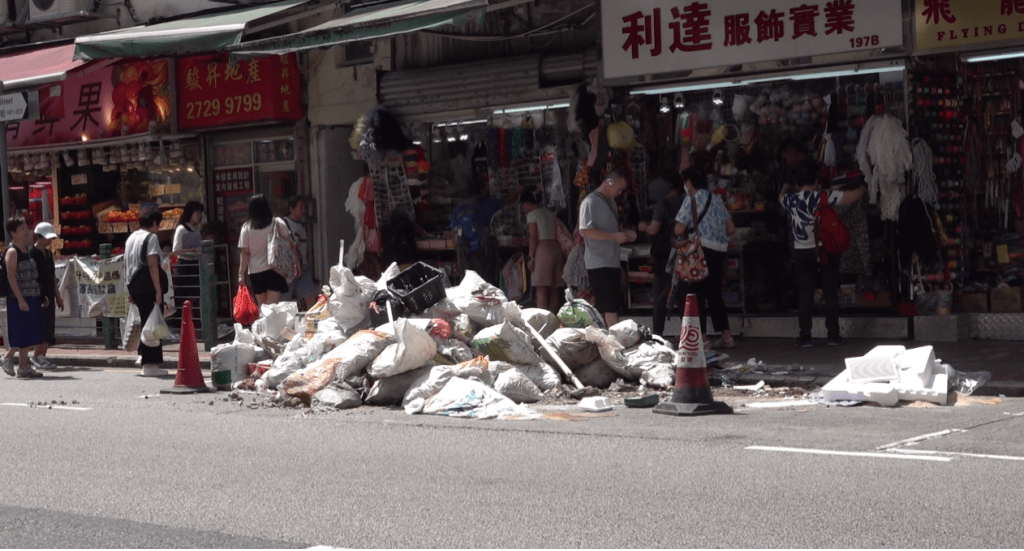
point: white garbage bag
(463, 329)
(426, 385)
(243, 335)
(629, 333)
(234, 357)
(655, 361)
(348, 359)
(413, 349)
(478, 299)
(573, 347)
(275, 318)
(391, 390)
(453, 349)
(611, 352)
(506, 343)
(543, 321)
(474, 400)
(597, 374)
(350, 300)
(542, 375)
(336, 396)
(513, 384)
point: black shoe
(835, 341)
(804, 343)
(29, 374)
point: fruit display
(76, 230)
(80, 199)
(173, 214)
(76, 216)
(78, 245)
(117, 216)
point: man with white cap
(43, 256)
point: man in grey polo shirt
(599, 226)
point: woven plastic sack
(245, 309)
(513, 276)
(572, 347)
(132, 331)
(414, 348)
(579, 314)
(516, 386)
(506, 343)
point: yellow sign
(949, 25)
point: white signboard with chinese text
(647, 37)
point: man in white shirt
(302, 288)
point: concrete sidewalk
(95, 355)
(811, 368)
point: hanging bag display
(832, 237)
(690, 265)
(281, 253)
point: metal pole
(108, 323)
(4, 180)
(207, 295)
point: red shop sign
(212, 92)
(110, 101)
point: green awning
(205, 33)
(369, 23)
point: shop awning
(38, 67)
(204, 33)
(375, 22)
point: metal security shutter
(483, 84)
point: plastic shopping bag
(131, 333)
(155, 329)
(245, 310)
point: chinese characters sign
(645, 37)
(232, 189)
(943, 25)
(212, 92)
(115, 100)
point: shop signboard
(110, 101)
(950, 25)
(648, 37)
(232, 188)
(214, 93)
(91, 288)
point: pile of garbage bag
(470, 354)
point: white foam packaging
(867, 379)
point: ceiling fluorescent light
(531, 108)
(992, 57)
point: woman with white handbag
(147, 284)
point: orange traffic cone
(692, 395)
(190, 377)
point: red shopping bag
(246, 310)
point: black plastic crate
(420, 286)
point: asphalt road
(176, 471)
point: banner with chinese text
(646, 37)
(212, 92)
(113, 100)
(946, 25)
(232, 188)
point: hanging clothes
(856, 260)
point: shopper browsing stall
(546, 261)
(147, 283)
(254, 248)
(801, 206)
(714, 226)
(302, 289)
(661, 228)
(187, 245)
(41, 253)
(25, 301)
(599, 226)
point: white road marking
(851, 454)
(778, 405)
(981, 455)
(921, 438)
(48, 406)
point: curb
(1009, 389)
(110, 362)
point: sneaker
(804, 343)
(151, 370)
(724, 343)
(8, 366)
(29, 373)
(835, 341)
(40, 362)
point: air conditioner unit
(41, 11)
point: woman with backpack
(714, 226)
(802, 206)
(266, 284)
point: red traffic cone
(692, 395)
(190, 377)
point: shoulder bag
(690, 265)
(281, 253)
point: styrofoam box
(916, 366)
(872, 369)
(840, 388)
(596, 404)
(937, 391)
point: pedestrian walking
(661, 228)
(714, 225)
(266, 285)
(602, 236)
(187, 246)
(25, 301)
(147, 283)
(41, 253)
(302, 289)
(546, 260)
(801, 206)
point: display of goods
(81, 215)
(80, 199)
(115, 217)
(83, 244)
(76, 230)
(172, 214)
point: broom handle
(554, 355)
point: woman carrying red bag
(245, 310)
